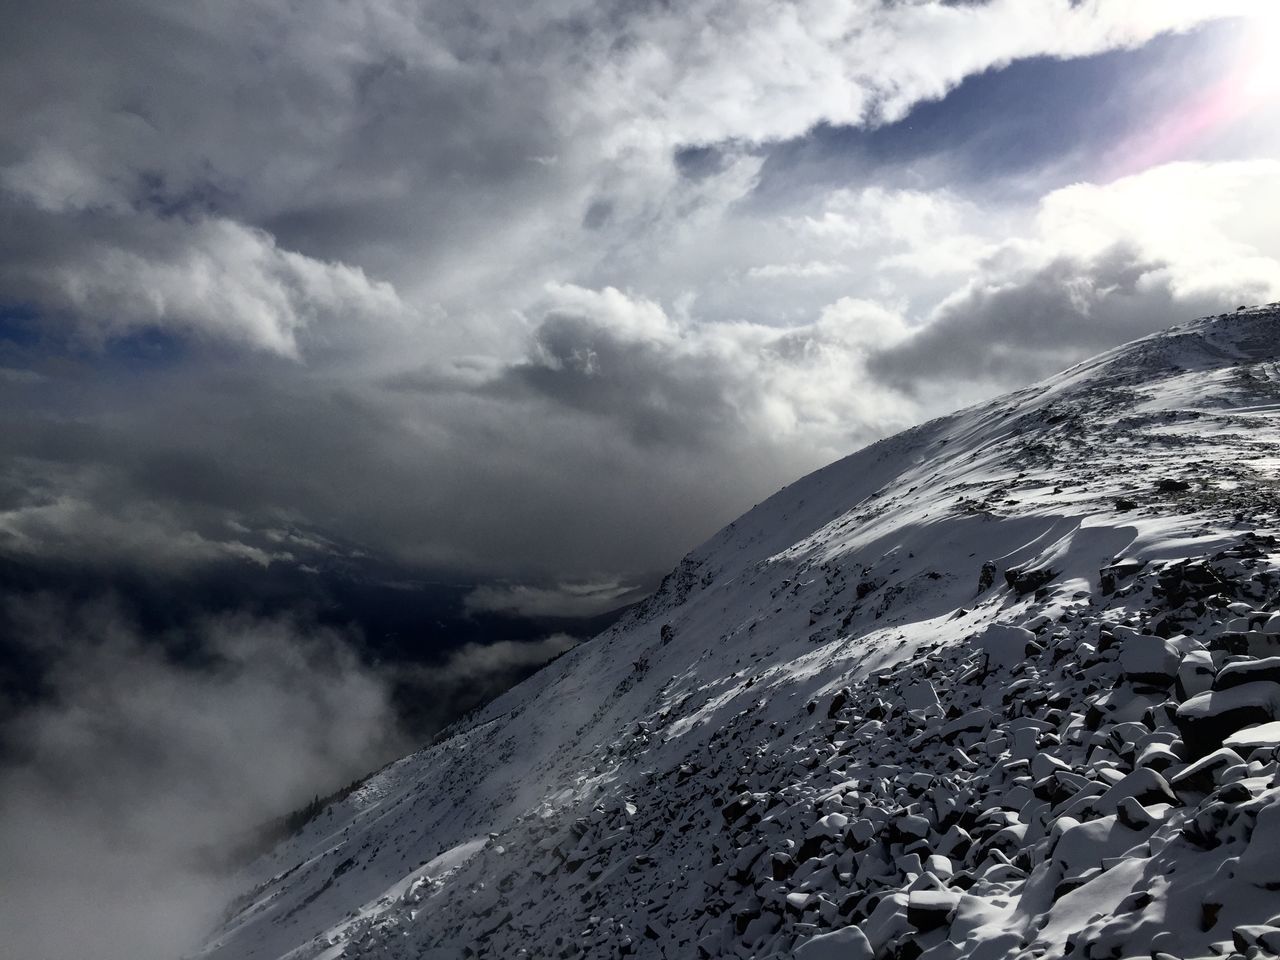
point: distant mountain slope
(962, 694)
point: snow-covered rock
(850, 753)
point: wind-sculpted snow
(1007, 684)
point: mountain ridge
(761, 759)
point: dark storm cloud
(698, 161)
(238, 136)
(173, 479)
(659, 396)
(618, 438)
(1025, 329)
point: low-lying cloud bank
(154, 762)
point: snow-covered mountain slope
(1007, 684)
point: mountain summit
(1006, 684)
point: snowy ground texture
(1004, 685)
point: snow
(1263, 696)
(939, 699)
(1260, 735)
(1006, 646)
(847, 943)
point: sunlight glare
(1260, 72)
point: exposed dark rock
(1028, 579)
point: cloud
(799, 271)
(856, 62)
(683, 382)
(490, 663)
(19, 376)
(124, 788)
(131, 789)
(1024, 329)
(621, 427)
(140, 534)
(211, 278)
(624, 433)
(562, 600)
(898, 230)
(380, 152)
(1210, 238)
(1106, 263)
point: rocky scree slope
(1004, 685)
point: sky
(548, 295)
(533, 298)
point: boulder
(1251, 738)
(1143, 785)
(1110, 577)
(1149, 660)
(1028, 579)
(1006, 646)
(1206, 720)
(1248, 671)
(888, 921)
(1259, 863)
(987, 576)
(1257, 936)
(1195, 674)
(974, 721)
(929, 909)
(1205, 774)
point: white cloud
(73, 528)
(1098, 265)
(55, 181)
(485, 662)
(798, 271)
(211, 278)
(1197, 219)
(766, 70)
(627, 317)
(122, 791)
(712, 383)
(919, 233)
(1005, 296)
